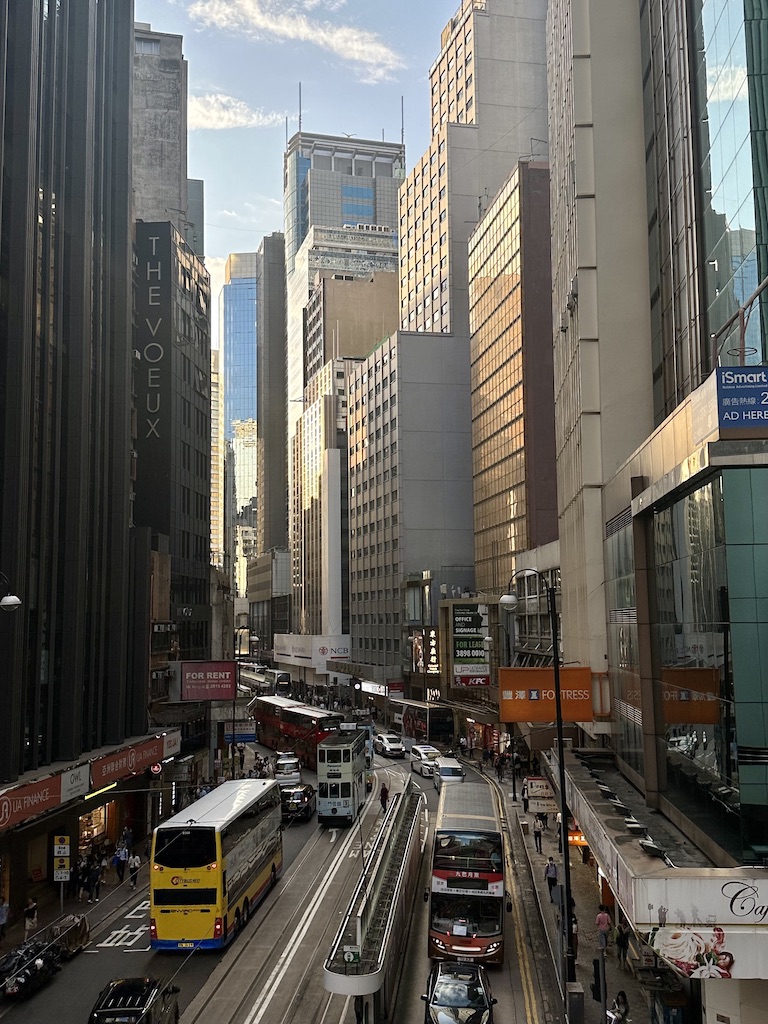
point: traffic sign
(61, 846)
(351, 954)
(61, 876)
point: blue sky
(354, 59)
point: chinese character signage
(742, 401)
(528, 694)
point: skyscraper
(65, 381)
(239, 317)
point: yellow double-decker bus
(212, 863)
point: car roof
(390, 736)
(460, 971)
(127, 993)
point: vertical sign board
(470, 658)
(154, 285)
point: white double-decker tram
(341, 770)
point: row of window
(374, 619)
(381, 570)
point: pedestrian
(620, 1009)
(359, 1004)
(30, 918)
(574, 938)
(122, 860)
(134, 863)
(545, 820)
(500, 767)
(241, 754)
(94, 881)
(463, 745)
(550, 875)
(538, 828)
(384, 796)
(524, 796)
(603, 925)
(4, 911)
(84, 879)
(559, 832)
(622, 943)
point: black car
(139, 1000)
(458, 992)
(298, 801)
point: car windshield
(391, 738)
(287, 764)
(294, 794)
(457, 991)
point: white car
(423, 758)
(388, 743)
(288, 770)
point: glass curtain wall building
(239, 318)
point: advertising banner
(690, 696)
(16, 805)
(129, 761)
(528, 694)
(742, 401)
(208, 680)
(470, 658)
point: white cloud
(286, 20)
(216, 110)
(726, 84)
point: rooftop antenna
(299, 106)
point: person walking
(83, 879)
(619, 1011)
(524, 796)
(538, 829)
(134, 863)
(122, 861)
(603, 925)
(30, 918)
(574, 938)
(94, 881)
(241, 754)
(4, 911)
(383, 797)
(550, 876)
(622, 943)
(559, 832)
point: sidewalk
(586, 896)
(113, 898)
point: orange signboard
(690, 695)
(528, 694)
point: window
(149, 46)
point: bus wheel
(237, 922)
(246, 913)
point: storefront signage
(528, 694)
(129, 761)
(208, 680)
(75, 782)
(16, 805)
(742, 401)
(171, 744)
(541, 799)
(244, 731)
(433, 657)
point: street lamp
(510, 602)
(9, 602)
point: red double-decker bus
(285, 724)
(468, 895)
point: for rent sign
(208, 680)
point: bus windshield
(467, 851)
(185, 847)
(479, 915)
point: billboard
(208, 680)
(528, 694)
(470, 658)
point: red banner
(528, 694)
(108, 769)
(16, 805)
(208, 680)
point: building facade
(513, 437)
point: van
(423, 758)
(446, 771)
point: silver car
(389, 744)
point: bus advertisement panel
(467, 892)
(212, 863)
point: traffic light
(597, 993)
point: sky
(355, 59)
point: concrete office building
(488, 110)
(217, 463)
(658, 224)
(513, 437)
(174, 415)
(410, 482)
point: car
(136, 1001)
(446, 771)
(298, 801)
(388, 743)
(453, 989)
(288, 770)
(423, 757)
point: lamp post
(9, 602)
(510, 601)
(489, 645)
